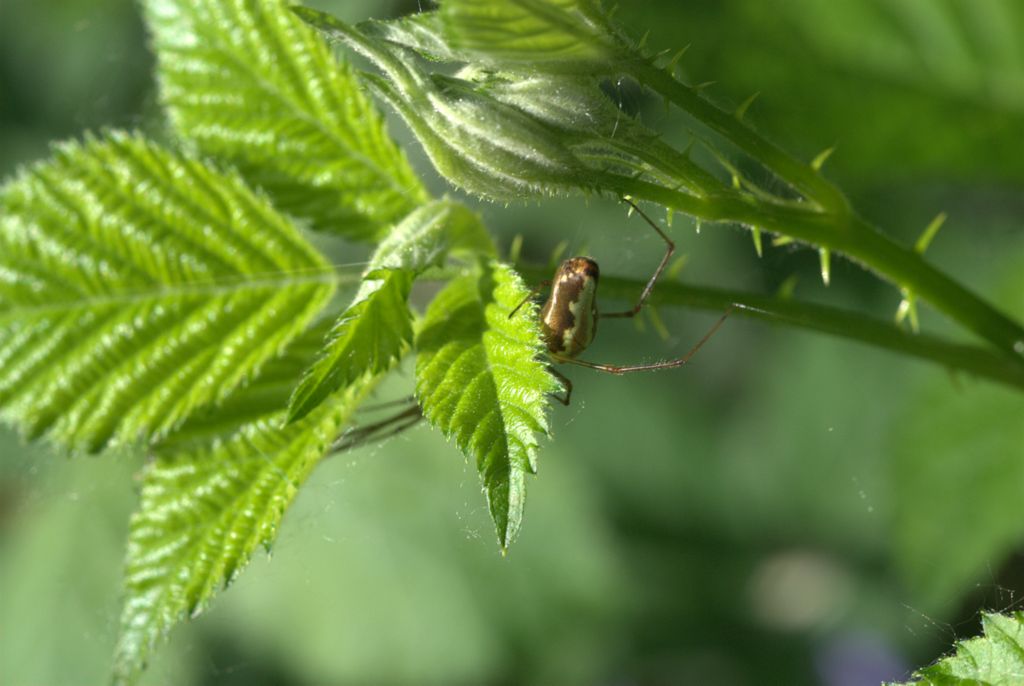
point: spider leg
(373, 407)
(566, 384)
(379, 430)
(670, 248)
(667, 364)
(534, 291)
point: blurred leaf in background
(788, 508)
(910, 91)
(66, 67)
(958, 470)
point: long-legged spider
(569, 324)
(569, 317)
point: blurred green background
(788, 509)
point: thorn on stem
(674, 62)
(657, 323)
(676, 268)
(787, 287)
(907, 311)
(557, 253)
(818, 162)
(515, 249)
(929, 233)
(741, 111)
(755, 233)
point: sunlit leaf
(994, 659)
(205, 509)
(137, 285)
(475, 141)
(422, 32)
(534, 35)
(374, 331)
(267, 394)
(248, 82)
(369, 336)
(479, 381)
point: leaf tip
(298, 408)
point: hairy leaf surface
(422, 32)
(995, 659)
(247, 81)
(374, 331)
(205, 509)
(137, 285)
(475, 141)
(479, 380)
(531, 35)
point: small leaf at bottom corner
(993, 659)
(479, 380)
(204, 511)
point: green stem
(977, 360)
(798, 174)
(835, 227)
(851, 236)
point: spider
(570, 315)
(568, 325)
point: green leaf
(427, 236)
(375, 330)
(204, 511)
(478, 143)
(370, 335)
(507, 136)
(479, 380)
(137, 285)
(996, 659)
(246, 81)
(422, 32)
(534, 35)
(268, 393)
(593, 126)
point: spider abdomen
(569, 317)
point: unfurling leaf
(137, 285)
(374, 331)
(479, 380)
(566, 36)
(510, 135)
(205, 508)
(246, 81)
(422, 32)
(475, 141)
(995, 659)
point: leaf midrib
(172, 291)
